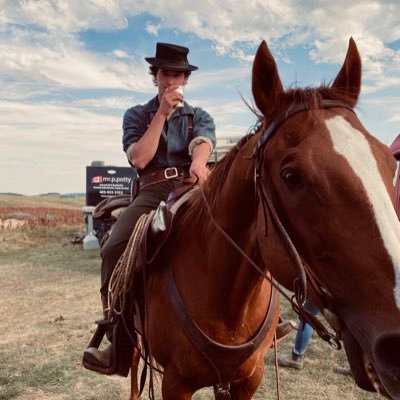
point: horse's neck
(219, 271)
(235, 207)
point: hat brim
(169, 66)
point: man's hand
(170, 99)
(199, 171)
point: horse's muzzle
(379, 371)
(386, 354)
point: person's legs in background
(305, 331)
(295, 358)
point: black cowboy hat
(171, 57)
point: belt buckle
(170, 173)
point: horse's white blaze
(352, 144)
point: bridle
(305, 273)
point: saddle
(112, 207)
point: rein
(304, 314)
(304, 272)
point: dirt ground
(49, 302)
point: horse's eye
(292, 179)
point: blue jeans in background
(305, 331)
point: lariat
(123, 275)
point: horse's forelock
(311, 97)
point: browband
(277, 122)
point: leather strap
(162, 175)
(304, 272)
(280, 118)
(225, 359)
(190, 127)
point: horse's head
(331, 184)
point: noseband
(304, 272)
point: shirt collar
(151, 106)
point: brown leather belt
(162, 175)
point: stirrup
(122, 348)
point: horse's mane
(197, 209)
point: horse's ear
(348, 80)
(266, 83)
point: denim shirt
(172, 149)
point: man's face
(167, 78)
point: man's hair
(153, 71)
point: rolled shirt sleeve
(197, 140)
(203, 127)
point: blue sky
(69, 70)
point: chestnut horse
(308, 198)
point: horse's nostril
(387, 354)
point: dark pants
(148, 199)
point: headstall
(304, 271)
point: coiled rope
(123, 275)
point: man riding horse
(170, 143)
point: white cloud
(43, 56)
(152, 29)
(58, 59)
(66, 16)
(118, 103)
(118, 53)
(222, 78)
(388, 105)
(234, 28)
(232, 118)
(54, 153)
(324, 28)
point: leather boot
(93, 355)
(101, 358)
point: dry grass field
(41, 210)
(49, 300)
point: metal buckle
(171, 173)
